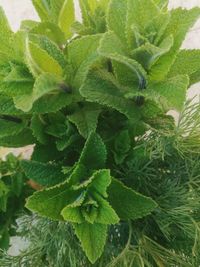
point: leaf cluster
(93, 98)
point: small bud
(65, 88)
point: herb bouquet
(115, 174)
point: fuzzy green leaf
(93, 239)
(127, 203)
(50, 202)
(171, 91)
(44, 174)
(82, 53)
(112, 48)
(24, 138)
(7, 106)
(39, 61)
(94, 153)
(5, 35)
(86, 119)
(116, 18)
(67, 17)
(9, 127)
(102, 89)
(44, 84)
(181, 21)
(187, 63)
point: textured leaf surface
(50, 202)
(172, 91)
(116, 18)
(8, 127)
(97, 88)
(44, 174)
(44, 84)
(82, 53)
(39, 61)
(127, 203)
(24, 138)
(93, 239)
(86, 119)
(187, 63)
(5, 35)
(94, 153)
(67, 17)
(181, 21)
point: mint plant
(93, 96)
(13, 191)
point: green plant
(93, 97)
(13, 191)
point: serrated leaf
(44, 84)
(82, 53)
(50, 202)
(7, 106)
(9, 127)
(127, 203)
(67, 17)
(141, 18)
(51, 30)
(42, 8)
(94, 153)
(171, 91)
(187, 63)
(181, 21)
(5, 35)
(72, 214)
(93, 239)
(100, 181)
(24, 138)
(102, 89)
(106, 214)
(39, 61)
(45, 174)
(38, 128)
(112, 48)
(86, 119)
(116, 18)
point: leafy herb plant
(93, 97)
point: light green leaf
(45, 83)
(93, 239)
(7, 106)
(72, 214)
(86, 118)
(45, 174)
(187, 63)
(42, 8)
(101, 88)
(127, 203)
(181, 21)
(171, 92)
(112, 48)
(39, 61)
(6, 35)
(140, 15)
(50, 202)
(94, 153)
(67, 17)
(116, 18)
(82, 53)
(51, 30)
(106, 214)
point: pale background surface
(18, 10)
